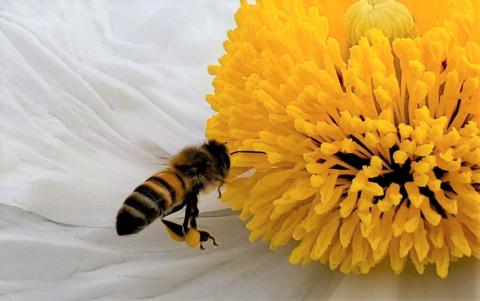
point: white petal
(48, 261)
(93, 94)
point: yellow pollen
(390, 16)
(192, 238)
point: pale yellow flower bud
(390, 16)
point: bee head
(220, 153)
(206, 162)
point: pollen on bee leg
(192, 238)
(174, 236)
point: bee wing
(155, 150)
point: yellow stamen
(371, 152)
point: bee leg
(194, 212)
(219, 192)
(205, 236)
(188, 231)
(174, 230)
(188, 216)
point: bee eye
(182, 168)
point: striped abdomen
(154, 198)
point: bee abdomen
(144, 205)
(141, 208)
(154, 198)
(161, 182)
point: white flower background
(92, 95)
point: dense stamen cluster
(369, 155)
(417, 181)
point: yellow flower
(371, 133)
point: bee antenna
(247, 152)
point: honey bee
(191, 171)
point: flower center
(390, 16)
(400, 174)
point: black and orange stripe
(154, 198)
